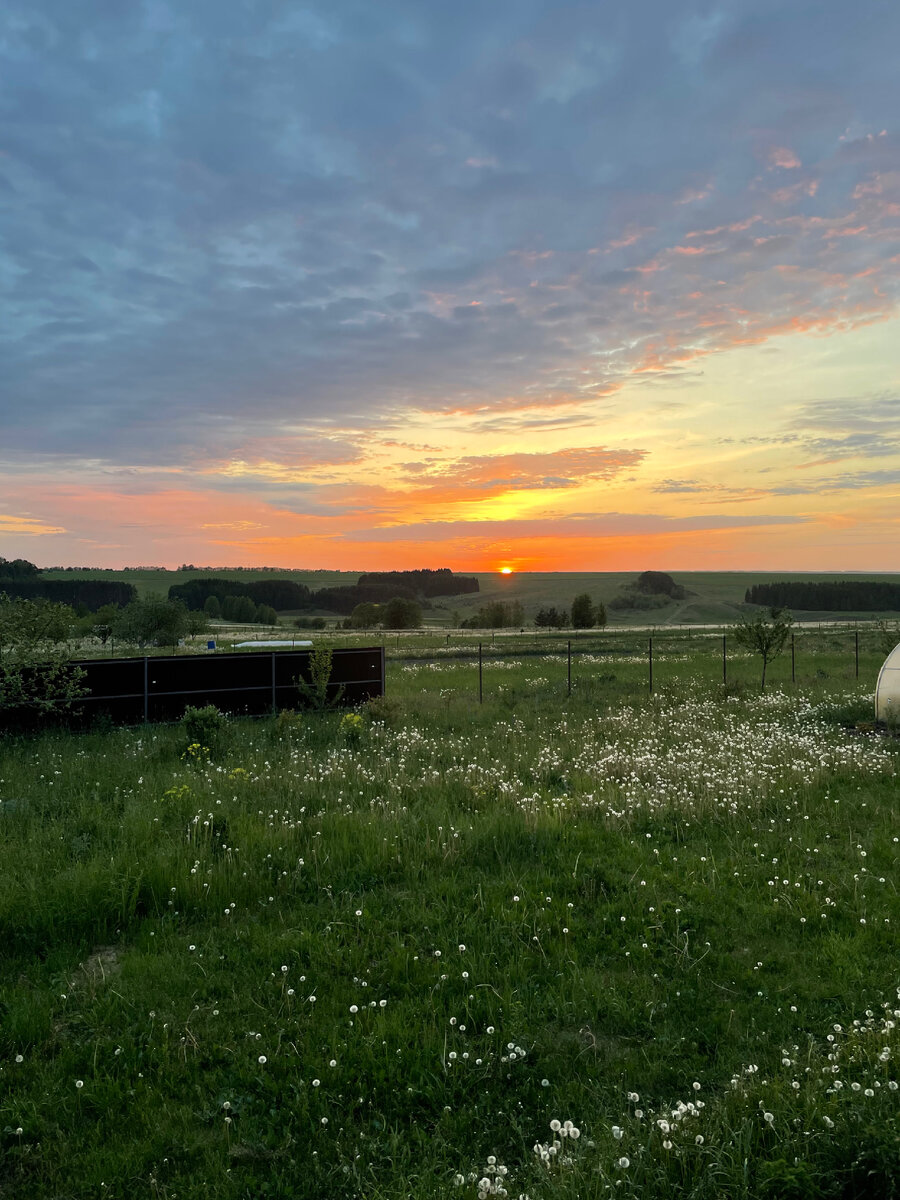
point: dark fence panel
(129, 690)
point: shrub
(203, 725)
(289, 723)
(310, 623)
(381, 710)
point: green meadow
(555, 944)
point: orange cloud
(479, 475)
(29, 526)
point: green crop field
(552, 945)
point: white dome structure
(887, 690)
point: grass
(330, 957)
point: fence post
(274, 704)
(856, 639)
(569, 645)
(724, 661)
(651, 666)
(793, 662)
(480, 684)
(383, 674)
(146, 689)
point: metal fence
(130, 690)
(589, 655)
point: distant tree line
(845, 595)
(425, 583)
(496, 614)
(552, 618)
(18, 568)
(584, 614)
(85, 595)
(285, 594)
(343, 600)
(279, 594)
(21, 579)
(400, 612)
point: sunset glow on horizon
(534, 287)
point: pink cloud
(781, 156)
(629, 238)
(692, 194)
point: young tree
(583, 613)
(212, 608)
(196, 623)
(764, 635)
(888, 635)
(401, 613)
(316, 692)
(365, 616)
(36, 673)
(155, 621)
(102, 623)
(240, 609)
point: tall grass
(378, 959)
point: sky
(542, 285)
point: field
(606, 943)
(712, 597)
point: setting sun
(506, 570)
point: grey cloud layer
(218, 215)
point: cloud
(781, 156)
(29, 526)
(858, 427)
(200, 241)
(502, 226)
(485, 475)
(826, 485)
(583, 525)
